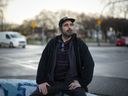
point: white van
(12, 39)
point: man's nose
(70, 26)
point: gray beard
(67, 34)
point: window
(7, 36)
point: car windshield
(16, 35)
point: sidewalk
(101, 44)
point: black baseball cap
(62, 20)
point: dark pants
(60, 87)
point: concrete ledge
(19, 87)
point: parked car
(120, 42)
(12, 39)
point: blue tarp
(19, 87)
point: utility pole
(1, 20)
(98, 27)
(33, 25)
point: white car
(12, 39)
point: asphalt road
(110, 74)
(111, 71)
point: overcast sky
(18, 10)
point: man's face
(67, 28)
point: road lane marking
(22, 63)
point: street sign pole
(97, 33)
(98, 27)
(2, 20)
(33, 25)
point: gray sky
(18, 10)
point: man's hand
(43, 88)
(75, 84)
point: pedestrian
(66, 65)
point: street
(19, 62)
(110, 74)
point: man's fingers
(39, 89)
(71, 85)
(44, 91)
(43, 88)
(47, 84)
(74, 85)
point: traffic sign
(33, 24)
(99, 21)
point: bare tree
(3, 4)
(116, 8)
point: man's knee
(79, 92)
(36, 93)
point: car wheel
(11, 45)
(24, 46)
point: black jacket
(84, 61)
